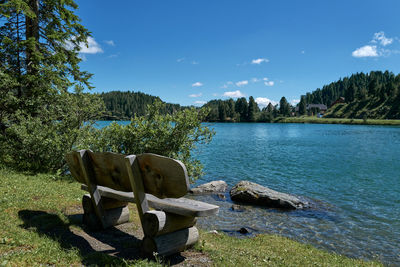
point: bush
(38, 142)
(173, 136)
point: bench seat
(181, 206)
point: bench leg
(115, 212)
(170, 243)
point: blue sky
(189, 52)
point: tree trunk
(32, 31)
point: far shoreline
(315, 120)
(310, 120)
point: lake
(349, 173)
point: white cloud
(382, 39)
(256, 80)
(269, 83)
(379, 41)
(294, 102)
(180, 60)
(196, 95)
(199, 102)
(234, 94)
(366, 51)
(258, 61)
(303, 52)
(241, 83)
(92, 47)
(263, 101)
(215, 94)
(110, 42)
(197, 84)
(195, 62)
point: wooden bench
(148, 180)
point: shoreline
(313, 120)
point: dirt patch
(123, 241)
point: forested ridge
(372, 95)
(125, 105)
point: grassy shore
(309, 119)
(35, 229)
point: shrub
(38, 143)
(173, 136)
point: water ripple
(350, 174)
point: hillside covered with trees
(242, 110)
(374, 95)
(125, 105)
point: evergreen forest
(125, 105)
(374, 95)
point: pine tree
(39, 45)
(302, 106)
(241, 107)
(284, 107)
(221, 111)
(252, 110)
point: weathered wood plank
(111, 193)
(110, 170)
(171, 243)
(163, 177)
(90, 181)
(108, 203)
(181, 206)
(72, 160)
(135, 178)
(112, 217)
(158, 222)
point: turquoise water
(350, 174)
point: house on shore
(339, 100)
(315, 108)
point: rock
(211, 187)
(252, 193)
(244, 230)
(237, 208)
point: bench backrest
(161, 176)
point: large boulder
(252, 193)
(211, 187)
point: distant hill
(374, 95)
(124, 105)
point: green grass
(33, 230)
(270, 250)
(309, 119)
